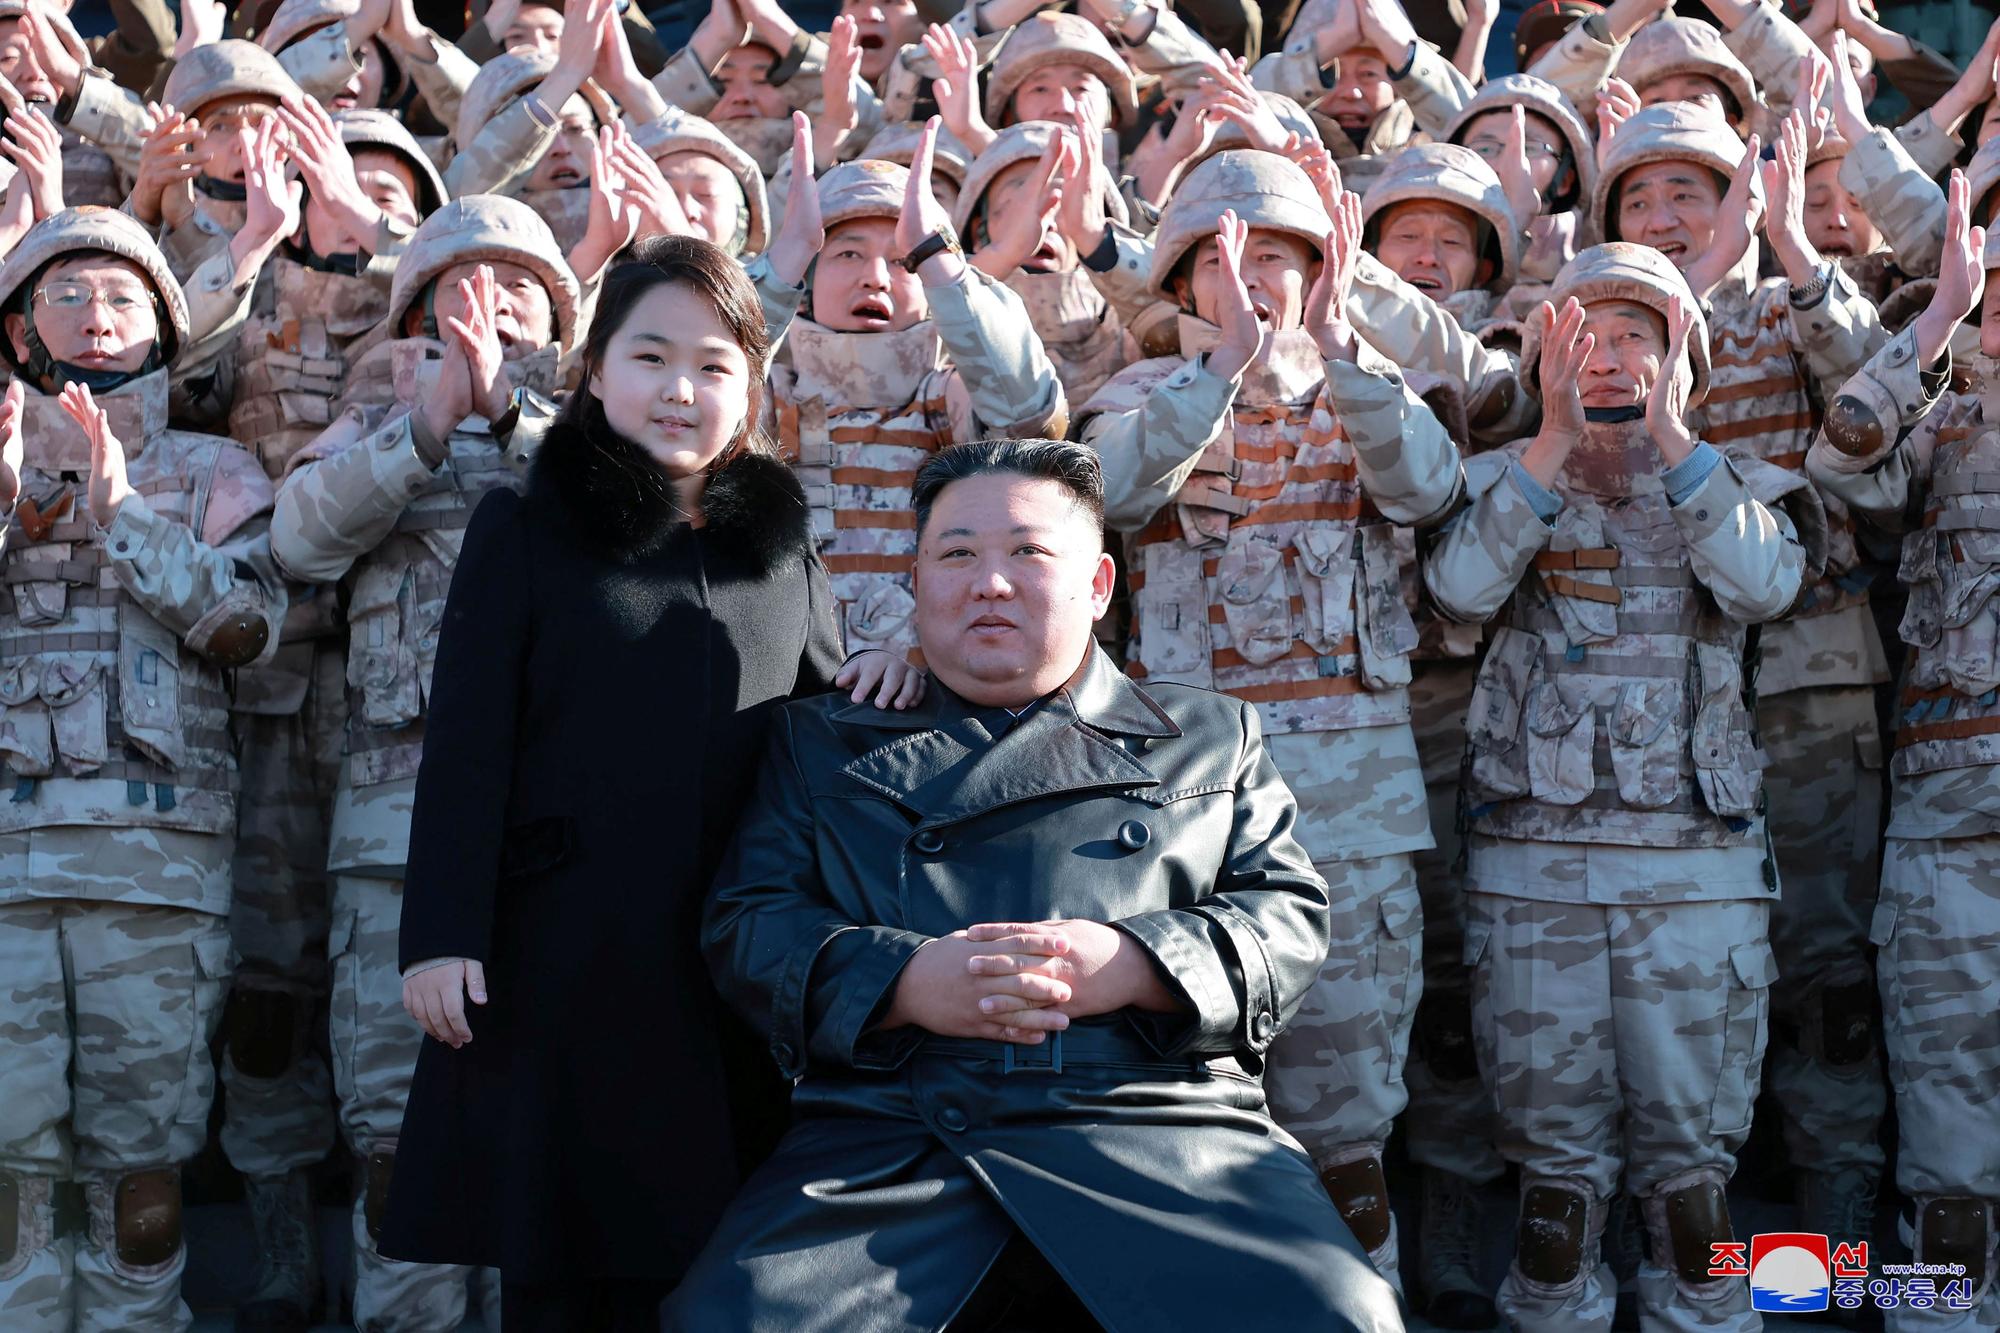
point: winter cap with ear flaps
(226, 70)
(1543, 99)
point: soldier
(355, 56)
(1775, 353)
(1438, 218)
(890, 360)
(1560, 159)
(380, 502)
(1263, 563)
(138, 564)
(504, 148)
(1676, 59)
(1618, 884)
(1912, 455)
(42, 56)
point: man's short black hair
(1074, 466)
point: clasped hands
(1019, 981)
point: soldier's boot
(1687, 1216)
(281, 1219)
(1557, 1278)
(35, 1266)
(128, 1269)
(1448, 1242)
(1355, 1182)
(1841, 1205)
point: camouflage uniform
(1895, 177)
(115, 849)
(309, 37)
(362, 504)
(499, 144)
(1263, 562)
(1554, 236)
(1774, 359)
(1912, 456)
(90, 174)
(858, 413)
(1618, 883)
(1078, 327)
(1429, 92)
(798, 75)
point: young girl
(615, 642)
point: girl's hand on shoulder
(436, 997)
(877, 671)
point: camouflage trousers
(106, 1013)
(375, 1044)
(1617, 1042)
(277, 1090)
(1937, 927)
(1825, 791)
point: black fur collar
(623, 505)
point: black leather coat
(1135, 1152)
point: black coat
(1133, 1150)
(603, 685)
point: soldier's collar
(859, 370)
(55, 443)
(1291, 370)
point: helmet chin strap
(348, 265)
(54, 375)
(229, 192)
(1614, 415)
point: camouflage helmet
(1669, 46)
(294, 20)
(1982, 177)
(1265, 190)
(1544, 99)
(483, 228)
(108, 231)
(511, 75)
(1229, 135)
(898, 143)
(227, 69)
(1830, 148)
(1058, 39)
(1548, 21)
(1025, 142)
(678, 132)
(869, 188)
(1668, 132)
(1622, 271)
(1990, 257)
(361, 128)
(1448, 174)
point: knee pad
(377, 1169)
(1443, 1036)
(1847, 1012)
(265, 1029)
(27, 1219)
(1687, 1216)
(1355, 1183)
(1559, 1223)
(1957, 1229)
(136, 1218)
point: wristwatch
(938, 242)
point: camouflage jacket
(502, 156)
(858, 413)
(1895, 176)
(798, 75)
(1432, 88)
(361, 505)
(1611, 706)
(108, 116)
(114, 641)
(322, 61)
(1919, 460)
(1078, 327)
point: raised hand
(1961, 280)
(1843, 94)
(923, 215)
(500, 16)
(13, 452)
(1742, 212)
(36, 148)
(1339, 36)
(1517, 173)
(1014, 236)
(1320, 169)
(202, 22)
(1667, 402)
(169, 159)
(108, 486)
(720, 31)
(1080, 216)
(1248, 112)
(646, 190)
(478, 335)
(1326, 303)
(839, 114)
(957, 86)
(612, 223)
(1386, 28)
(53, 54)
(1617, 102)
(370, 18)
(1244, 336)
(328, 168)
(450, 400)
(618, 73)
(1785, 190)
(801, 235)
(1565, 349)
(1974, 87)
(272, 201)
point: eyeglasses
(1490, 149)
(76, 295)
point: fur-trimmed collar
(623, 504)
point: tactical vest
(1271, 577)
(862, 413)
(1759, 401)
(197, 227)
(1950, 704)
(1078, 328)
(291, 357)
(1610, 707)
(396, 599)
(765, 138)
(566, 211)
(89, 175)
(106, 718)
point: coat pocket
(73, 688)
(26, 740)
(380, 663)
(1647, 734)
(1493, 716)
(1387, 630)
(149, 686)
(1171, 615)
(1726, 763)
(1971, 637)
(1326, 584)
(1255, 602)
(1923, 614)
(1562, 737)
(1744, 1032)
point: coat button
(930, 842)
(1263, 1027)
(953, 1119)
(1132, 835)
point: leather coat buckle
(1017, 1058)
